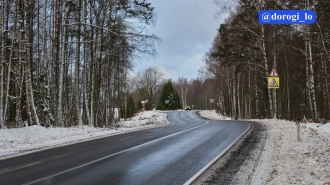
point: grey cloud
(187, 29)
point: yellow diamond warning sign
(273, 82)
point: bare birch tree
(147, 82)
(60, 121)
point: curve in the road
(164, 155)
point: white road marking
(6, 170)
(129, 137)
(186, 118)
(193, 178)
(100, 159)
(31, 164)
(183, 117)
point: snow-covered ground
(20, 141)
(211, 114)
(292, 162)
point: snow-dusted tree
(60, 121)
(69, 58)
(182, 87)
(250, 50)
(30, 105)
(2, 66)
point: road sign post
(166, 104)
(298, 129)
(273, 80)
(211, 101)
(273, 83)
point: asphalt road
(170, 154)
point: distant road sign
(167, 101)
(211, 100)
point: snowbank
(293, 162)
(145, 118)
(23, 140)
(304, 162)
(211, 114)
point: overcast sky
(187, 29)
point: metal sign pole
(298, 129)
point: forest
(69, 62)
(244, 52)
(65, 62)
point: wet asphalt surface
(248, 148)
(170, 154)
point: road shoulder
(246, 162)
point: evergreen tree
(131, 107)
(169, 93)
(139, 106)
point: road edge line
(193, 178)
(108, 156)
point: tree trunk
(92, 94)
(325, 88)
(46, 103)
(60, 121)
(77, 118)
(85, 65)
(309, 70)
(8, 81)
(249, 93)
(311, 76)
(29, 62)
(43, 47)
(256, 96)
(238, 96)
(312, 85)
(24, 58)
(325, 60)
(264, 54)
(234, 95)
(2, 75)
(56, 57)
(308, 89)
(274, 65)
(287, 87)
(18, 84)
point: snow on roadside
(293, 162)
(211, 114)
(19, 141)
(304, 162)
(145, 118)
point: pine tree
(131, 107)
(169, 93)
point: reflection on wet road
(166, 155)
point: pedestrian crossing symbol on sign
(273, 82)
